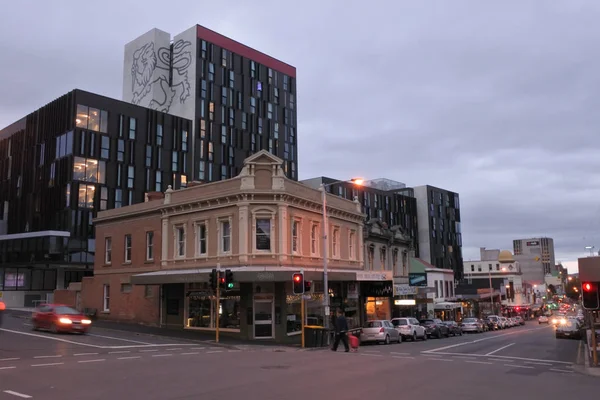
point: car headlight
(86, 321)
(65, 321)
(563, 321)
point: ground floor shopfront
(261, 305)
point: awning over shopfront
(446, 306)
(257, 274)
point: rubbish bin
(315, 336)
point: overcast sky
(496, 102)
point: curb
(585, 368)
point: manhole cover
(275, 367)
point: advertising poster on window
(352, 292)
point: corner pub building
(154, 259)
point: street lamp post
(356, 181)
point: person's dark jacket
(341, 325)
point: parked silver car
(471, 325)
(380, 331)
(409, 328)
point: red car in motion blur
(60, 318)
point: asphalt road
(111, 365)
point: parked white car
(409, 328)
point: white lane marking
(400, 354)
(234, 351)
(479, 362)
(129, 358)
(371, 355)
(504, 358)
(518, 366)
(50, 338)
(56, 356)
(123, 340)
(9, 359)
(174, 349)
(465, 357)
(91, 361)
(404, 357)
(85, 354)
(17, 394)
(561, 370)
(190, 354)
(1, 368)
(162, 355)
(500, 349)
(147, 351)
(46, 365)
(538, 363)
(197, 348)
(216, 351)
(481, 340)
(119, 352)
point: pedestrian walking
(341, 331)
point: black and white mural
(151, 82)
(159, 72)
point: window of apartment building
(180, 241)
(105, 147)
(91, 118)
(314, 239)
(89, 170)
(64, 147)
(159, 135)
(126, 288)
(175, 162)
(489, 267)
(107, 250)
(295, 239)
(130, 176)
(149, 246)
(252, 105)
(184, 140)
(86, 196)
(437, 291)
(118, 198)
(132, 127)
(106, 298)
(335, 243)
(497, 267)
(211, 72)
(472, 268)
(225, 236)
(263, 234)
(352, 245)
(127, 248)
(201, 235)
(479, 268)
(103, 198)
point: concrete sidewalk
(224, 340)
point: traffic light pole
(302, 315)
(594, 342)
(218, 296)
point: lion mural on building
(151, 67)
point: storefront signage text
(417, 279)
(404, 289)
(373, 276)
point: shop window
(378, 308)
(201, 310)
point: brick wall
(66, 297)
(127, 303)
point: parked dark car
(453, 328)
(435, 328)
(493, 322)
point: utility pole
(218, 304)
(491, 292)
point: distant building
(440, 233)
(536, 258)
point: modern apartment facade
(240, 100)
(440, 233)
(59, 166)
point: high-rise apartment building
(63, 163)
(239, 99)
(440, 235)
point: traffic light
(307, 286)
(298, 281)
(213, 279)
(591, 300)
(228, 279)
(222, 281)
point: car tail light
(381, 330)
